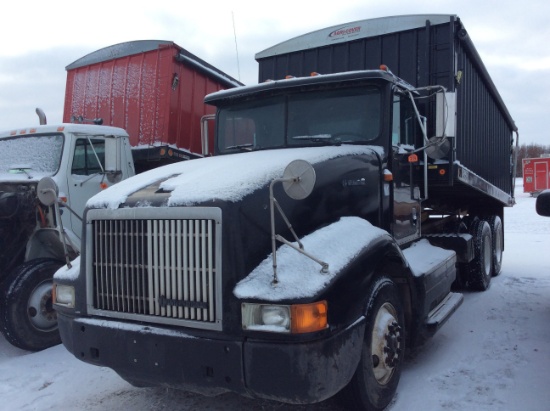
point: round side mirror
(299, 179)
(47, 191)
(439, 147)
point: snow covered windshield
(350, 115)
(37, 155)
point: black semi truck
(353, 193)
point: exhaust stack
(41, 116)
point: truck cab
(206, 231)
(81, 160)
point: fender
(355, 252)
(347, 294)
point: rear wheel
(375, 381)
(27, 317)
(480, 269)
(498, 242)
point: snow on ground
(493, 354)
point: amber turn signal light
(308, 318)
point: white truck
(82, 160)
(155, 119)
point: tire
(374, 383)
(27, 317)
(480, 269)
(498, 242)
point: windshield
(350, 115)
(34, 155)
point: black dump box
(423, 50)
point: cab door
(85, 177)
(406, 192)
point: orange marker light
(442, 172)
(413, 158)
(308, 318)
(103, 186)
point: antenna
(236, 47)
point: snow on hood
(226, 178)
(22, 177)
(298, 275)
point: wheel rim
(40, 310)
(498, 246)
(386, 343)
(487, 255)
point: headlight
(63, 295)
(296, 318)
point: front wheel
(375, 381)
(27, 317)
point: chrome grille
(166, 269)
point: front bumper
(298, 373)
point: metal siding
(408, 49)
(423, 58)
(442, 66)
(281, 65)
(310, 60)
(188, 107)
(181, 107)
(118, 95)
(483, 137)
(267, 71)
(150, 95)
(295, 64)
(132, 106)
(325, 60)
(105, 83)
(373, 53)
(340, 56)
(357, 55)
(390, 52)
(135, 92)
(428, 56)
(163, 104)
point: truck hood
(31, 177)
(225, 178)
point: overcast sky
(39, 39)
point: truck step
(441, 313)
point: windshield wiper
(243, 147)
(20, 169)
(319, 138)
(315, 137)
